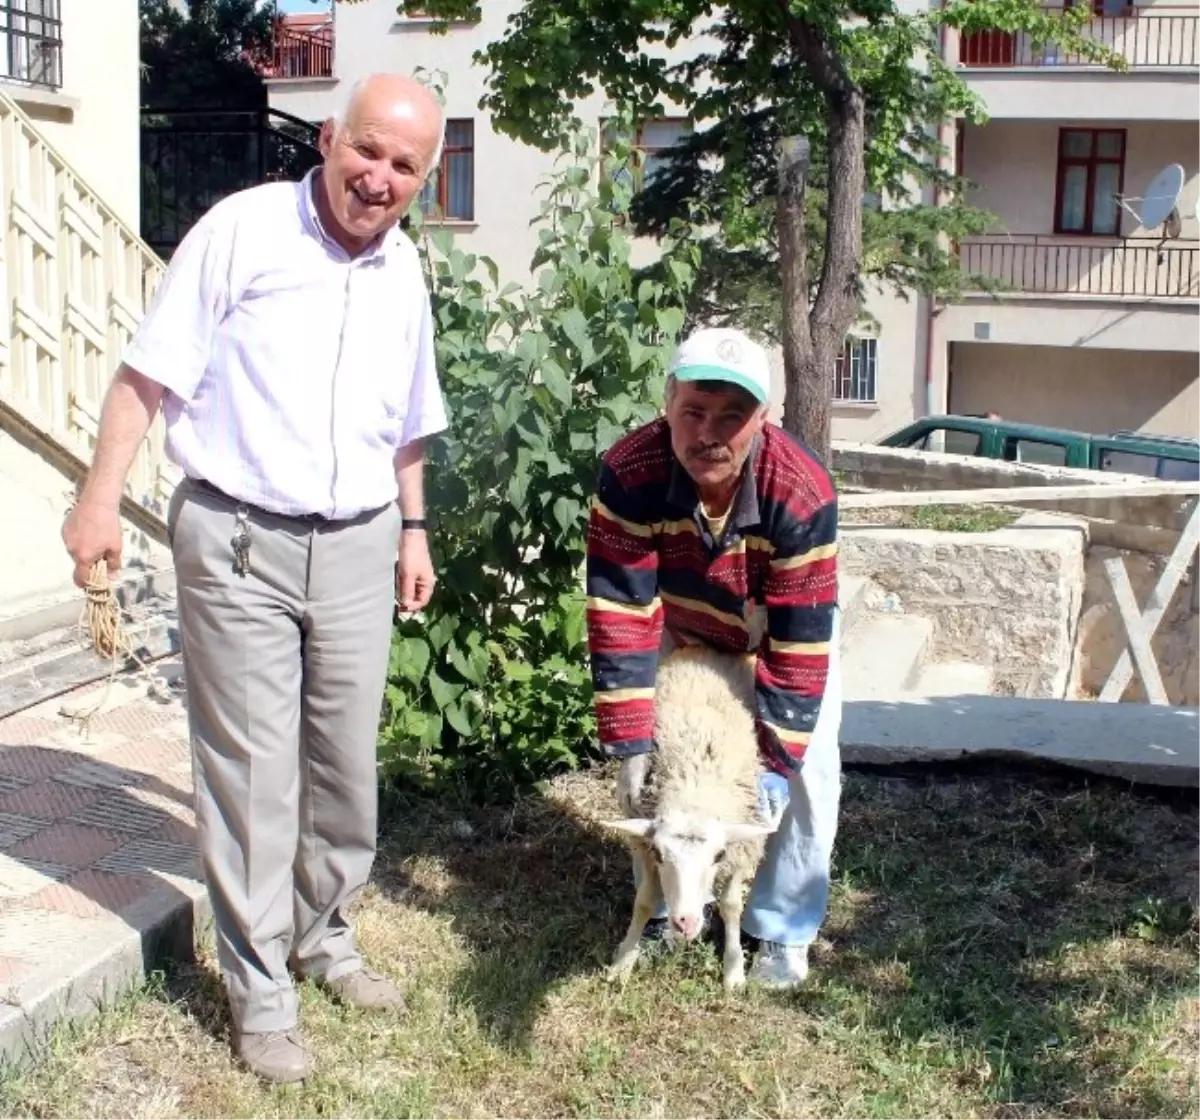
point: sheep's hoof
(735, 981)
(618, 972)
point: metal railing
(1137, 267)
(301, 54)
(33, 45)
(1149, 39)
(193, 158)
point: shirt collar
(681, 491)
(312, 222)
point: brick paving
(97, 843)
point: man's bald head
(380, 96)
(378, 151)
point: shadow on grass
(538, 893)
(1035, 929)
(1023, 931)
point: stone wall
(1008, 599)
(870, 467)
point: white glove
(630, 780)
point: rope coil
(102, 627)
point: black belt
(304, 518)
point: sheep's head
(687, 850)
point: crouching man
(712, 526)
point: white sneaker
(779, 966)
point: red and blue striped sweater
(652, 563)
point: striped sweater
(769, 585)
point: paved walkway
(98, 856)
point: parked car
(1171, 458)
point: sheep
(704, 826)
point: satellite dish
(1159, 203)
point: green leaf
(566, 511)
(443, 692)
(555, 378)
(518, 671)
(413, 658)
(458, 717)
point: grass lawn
(998, 945)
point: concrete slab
(99, 872)
(1141, 743)
(954, 678)
(883, 655)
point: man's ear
(325, 137)
(631, 826)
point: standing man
(711, 526)
(290, 347)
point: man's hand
(92, 531)
(415, 580)
(630, 780)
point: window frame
(840, 377)
(636, 143)
(440, 177)
(1091, 162)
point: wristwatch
(407, 523)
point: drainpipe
(931, 309)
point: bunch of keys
(241, 542)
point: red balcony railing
(302, 54)
(1168, 39)
(1132, 267)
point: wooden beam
(1138, 631)
(1018, 495)
(1156, 605)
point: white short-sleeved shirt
(294, 373)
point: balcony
(1100, 268)
(301, 53)
(32, 43)
(1153, 39)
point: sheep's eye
(655, 854)
(720, 855)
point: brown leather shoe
(276, 1056)
(366, 989)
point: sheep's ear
(734, 833)
(633, 826)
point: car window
(1179, 470)
(1128, 462)
(1035, 451)
(961, 443)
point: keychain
(241, 542)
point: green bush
(490, 689)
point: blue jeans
(790, 894)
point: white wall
(93, 120)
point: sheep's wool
(706, 758)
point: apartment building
(1094, 323)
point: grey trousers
(285, 670)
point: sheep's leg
(731, 904)
(643, 906)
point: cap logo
(729, 350)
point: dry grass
(997, 946)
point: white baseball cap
(723, 354)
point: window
(654, 139)
(1105, 7)
(449, 192)
(1091, 171)
(854, 375)
(32, 42)
(1035, 451)
(1129, 462)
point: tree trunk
(810, 358)
(806, 403)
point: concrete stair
(886, 653)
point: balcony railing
(1132, 268)
(1168, 40)
(302, 54)
(32, 42)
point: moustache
(710, 454)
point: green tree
(204, 57)
(490, 688)
(787, 247)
